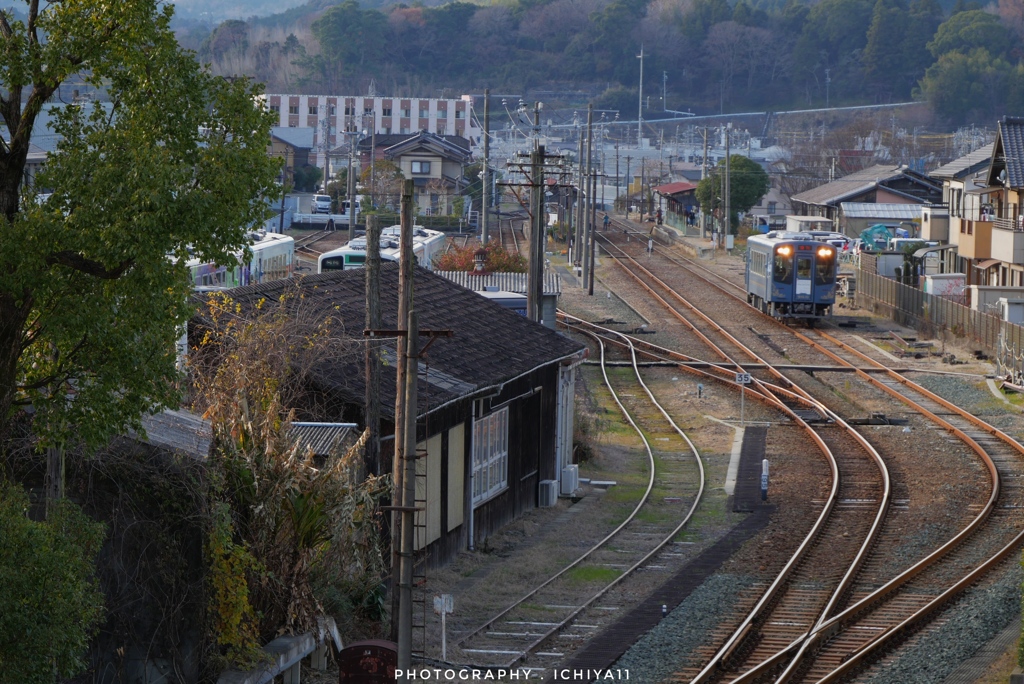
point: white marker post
(443, 605)
(742, 379)
(764, 480)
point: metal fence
(941, 317)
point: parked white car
(321, 204)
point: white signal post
(444, 604)
(742, 379)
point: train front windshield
(782, 269)
(825, 267)
(336, 263)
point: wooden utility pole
(484, 173)
(350, 182)
(406, 559)
(405, 274)
(372, 357)
(535, 275)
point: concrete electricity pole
(577, 245)
(727, 190)
(484, 181)
(587, 227)
(640, 116)
(703, 175)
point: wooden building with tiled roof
(884, 183)
(495, 399)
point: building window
(368, 111)
(442, 113)
(490, 455)
(421, 167)
(459, 114)
(387, 111)
(293, 109)
(349, 111)
(771, 207)
(424, 113)
(440, 129)
(275, 108)
(405, 112)
(334, 110)
(405, 130)
(313, 110)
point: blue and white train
(791, 276)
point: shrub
(50, 604)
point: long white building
(340, 114)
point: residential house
(678, 203)
(966, 194)
(436, 165)
(495, 411)
(1004, 206)
(882, 183)
(292, 146)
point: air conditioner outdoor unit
(570, 479)
(548, 493)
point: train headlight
(785, 251)
(824, 252)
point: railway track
(520, 633)
(844, 641)
(304, 245)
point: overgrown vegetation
(50, 604)
(498, 259)
(291, 534)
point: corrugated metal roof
(674, 188)
(1011, 132)
(883, 211)
(296, 137)
(505, 282)
(966, 165)
(323, 438)
(181, 431)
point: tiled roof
(849, 186)
(506, 282)
(965, 165)
(888, 211)
(1011, 132)
(431, 141)
(490, 345)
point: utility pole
(485, 198)
(592, 231)
(325, 146)
(402, 589)
(640, 116)
(703, 175)
(616, 170)
(728, 189)
(578, 245)
(664, 92)
(587, 227)
(372, 358)
(351, 191)
(535, 275)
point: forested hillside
(714, 55)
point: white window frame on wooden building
(490, 456)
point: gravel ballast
(666, 648)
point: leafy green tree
(748, 183)
(50, 604)
(351, 39)
(307, 178)
(963, 87)
(966, 31)
(882, 61)
(95, 286)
